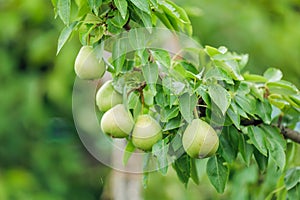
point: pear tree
(212, 110)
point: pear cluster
(199, 139)
(118, 122)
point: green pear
(107, 97)
(117, 122)
(146, 132)
(200, 140)
(87, 65)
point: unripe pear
(117, 122)
(107, 97)
(200, 140)
(87, 65)
(146, 132)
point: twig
(251, 122)
(139, 88)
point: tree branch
(251, 122)
(290, 134)
(286, 132)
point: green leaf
(274, 134)
(122, 7)
(145, 17)
(282, 87)
(129, 149)
(218, 74)
(182, 168)
(164, 19)
(202, 91)
(261, 160)
(187, 104)
(293, 100)
(296, 98)
(254, 78)
(160, 150)
(150, 73)
(173, 87)
(264, 111)
(83, 8)
(245, 149)
(246, 102)
(194, 171)
(217, 173)
(212, 51)
(294, 193)
(169, 113)
(118, 55)
(65, 35)
(243, 88)
(92, 19)
(272, 75)
(149, 95)
(189, 67)
(135, 104)
(219, 96)
(90, 33)
(257, 92)
(118, 21)
(277, 154)
(161, 56)
(257, 138)
(111, 28)
(142, 5)
(231, 67)
(276, 145)
(176, 16)
(238, 109)
(229, 142)
(175, 11)
(64, 10)
(291, 178)
(173, 124)
(94, 5)
(234, 117)
(278, 101)
(176, 144)
(138, 39)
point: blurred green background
(41, 156)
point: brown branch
(290, 134)
(286, 132)
(251, 122)
(139, 88)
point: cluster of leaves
(248, 111)
(242, 103)
(95, 19)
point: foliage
(251, 113)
